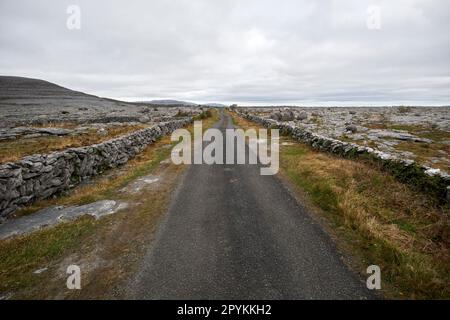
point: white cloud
(235, 51)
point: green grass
(342, 197)
(117, 234)
(375, 218)
(319, 190)
(20, 257)
(107, 188)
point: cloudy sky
(250, 52)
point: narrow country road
(231, 233)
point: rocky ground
(416, 133)
(33, 108)
(25, 101)
(38, 117)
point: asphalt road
(231, 233)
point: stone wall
(41, 176)
(427, 179)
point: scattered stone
(102, 132)
(6, 296)
(39, 271)
(43, 176)
(166, 161)
(322, 137)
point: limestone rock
(352, 128)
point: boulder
(302, 116)
(352, 128)
(144, 119)
(276, 116)
(287, 115)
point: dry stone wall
(40, 176)
(427, 179)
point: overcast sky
(248, 52)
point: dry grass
(107, 250)
(105, 187)
(19, 257)
(438, 148)
(12, 150)
(382, 221)
(424, 152)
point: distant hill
(35, 92)
(169, 102)
(172, 102)
(27, 101)
(214, 105)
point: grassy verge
(374, 218)
(107, 250)
(106, 187)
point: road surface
(231, 233)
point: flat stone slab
(54, 215)
(405, 136)
(141, 183)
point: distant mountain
(214, 105)
(172, 102)
(169, 102)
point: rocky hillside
(36, 92)
(25, 101)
